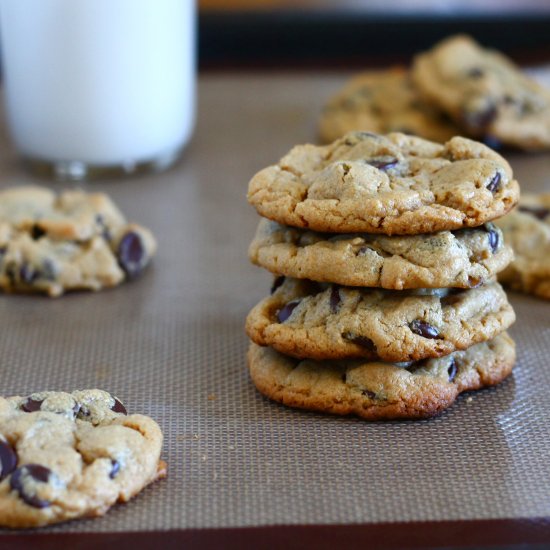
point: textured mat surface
(172, 345)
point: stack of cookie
(385, 303)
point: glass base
(73, 170)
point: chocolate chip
(493, 236)
(48, 270)
(492, 142)
(451, 371)
(131, 254)
(537, 211)
(115, 468)
(37, 232)
(38, 473)
(362, 341)
(368, 393)
(383, 164)
(8, 459)
(344, 378)
(277, 283)
(480, 118)
(118, 407)
(27, 273)
(105, 233)
(366, 135)
(335, 299)
(493, 240)
(475, 72)
(494, 184)
(424, 329)
(286, 311)
(32, 405)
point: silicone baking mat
(172, 345)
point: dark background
(325, 34)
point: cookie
(484, 92)
(319, 321)
(527, 230)
(464, 258)
(394, 184)
(380, 390)
(70, 455)
(54, 243)
(382, 102)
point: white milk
(102, 82)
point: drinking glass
(96, 88)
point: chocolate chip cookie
(394, 184)
(54, 243)
(527, 230)
(69, 455)
(319, 321)
(485, 93)
(380, 390)
(463, 258)
(382, 102)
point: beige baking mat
(171, 345)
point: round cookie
(527, 230)
(69, 455)
(306, 319)
(394, 184)
(463, 258)
(382, 102)
(54, 243)
(376, 391)
(485, 93)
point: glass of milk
(98, 87)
